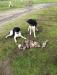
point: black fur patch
(16, 29)
(32, 22)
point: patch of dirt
(13, 14)
(5, 67)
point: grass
(35, 61)
(43, 1)
(4, 5)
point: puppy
(32, 26)
(15, 32)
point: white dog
(32, 26)
(15, 32)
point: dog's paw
(34, 36)
(25, 38)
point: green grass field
(4, 5)
(35, 61)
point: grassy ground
(4, 5)
(35, 61)
(43, 1)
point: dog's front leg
(15, 39)
(22, 37)
(28, 29)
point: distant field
(35, 61)
(43, 1)
(4, 5)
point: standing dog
(15, 32)
(32, 26)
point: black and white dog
(15, 32)
(32, 26)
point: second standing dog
(32, 26)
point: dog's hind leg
(36, 29)
(33, 29)
(10, 34)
